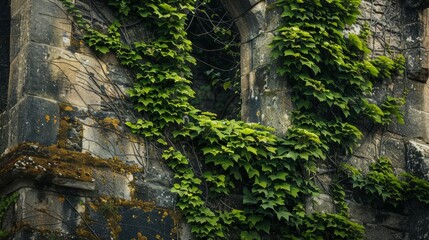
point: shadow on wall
(4, 51)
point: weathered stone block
(46, 210)
(49, 24)
(107, 143)
(392, 221)
(322, 203)
(59, 74)
(38, 79)
(112, 184)
(383, 233)
(366, 152)
(160, 195)
(417, 60)
(109, 219)
(251, 103)
(4, 83)
(18, 73)
(156, 170)
(379, 224)
(277, 110)
(245, 62)
(261, 51)
(263, 88)
(416, 125)
(20, 26)
(417, 97)
(82, 78)
(34, 120)
(266, 79)
(414, 33)
(419, 224)
(361, 213)
(368, 147)
(366, 10)
(360, 163)
(152, 224)
(272, 20)
(118, 75)
(55, 74)
(97, 224)
(393, 147)
(418, 159)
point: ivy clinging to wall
(216, 48)
(381, 187)
(5, 203)
(330, 76)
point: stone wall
(398, 27)
(78, 170)
(65, 149)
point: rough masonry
(79, 172)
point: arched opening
(4, 52)
(229, 40)
(265, 97)
(216, 48)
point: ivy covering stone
(331, 77)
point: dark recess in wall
(4, 51)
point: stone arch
(248, 15)
(265, 97)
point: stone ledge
(71, 183)
(52, 165)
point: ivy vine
(331, 77)
(381, 186)
(5, 203)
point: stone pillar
(417, 156)
(64, 149)
(265, 96)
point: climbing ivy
(331, 77)
(5, 203)
(381, 186)
(216, 47)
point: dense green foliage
(216, 47)
(5, 203)
(380, 186)
(213, 160)
(330, 73)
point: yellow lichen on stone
(68, 108)
(112, 123)
(141, 237)
(62, 133)
(41, 162)
(164, 215)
